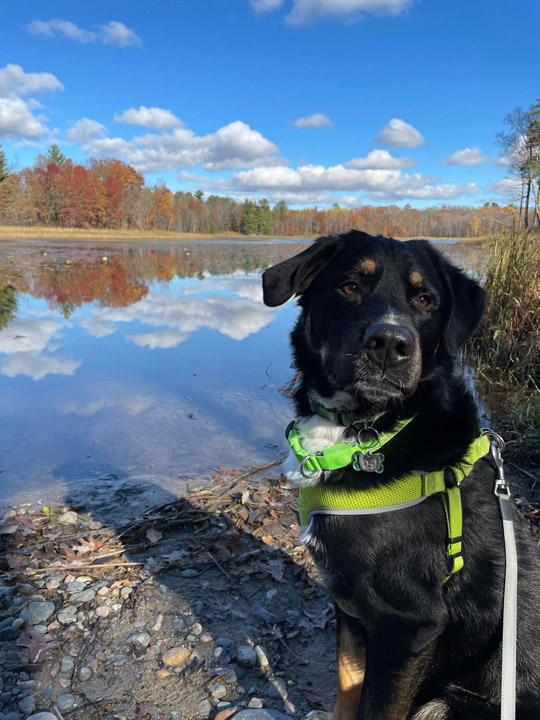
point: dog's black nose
(389, 345)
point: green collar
(324, 499)
(362, 456)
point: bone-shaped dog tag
(369, 462)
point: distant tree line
(109, 193)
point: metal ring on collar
(303, 471)
(371, 442)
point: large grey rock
(82, 597)
(65, 701)
(39, 611)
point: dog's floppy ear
(466, 308)
(293, 276)
(464, 299)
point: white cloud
(113, 33)
(16, 120)
(28, 335)
(159, 339)
(49, 28)
(133, 405)
(381, 160)
(38, 366)
(116, 33)
(307, 12)
(153, 118)
(14, 81)
(317, 120)
(232, 146)
(177, 317)
(509, 188)
(379, 184)
(86, 130)
(263, 6)
(398, 133)
(466, 157)
(17, 116)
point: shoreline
(16, 232)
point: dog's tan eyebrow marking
(367, 266)
(416, 279)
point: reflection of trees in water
(8, 305)
(122, 278)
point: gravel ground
(196, 608)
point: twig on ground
(525, 472)
(54, 568)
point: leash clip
(304, 472)
(497, 446)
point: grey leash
(508, 680)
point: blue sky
(315, 101)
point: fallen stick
(522, 470)
(80, 567)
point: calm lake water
(149, 360)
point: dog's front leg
(351, 662)
(395, 667)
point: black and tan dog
(381, 322)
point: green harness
(344, 499)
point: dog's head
(379, 316)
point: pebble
(67, 664)
(66, 618)
(85, 673)
(6, 622)
(163, 673)
(75, 586)
(218, 691)
(260, 714)
(103, 591)
(40, 629)
(9, 633)
(196, 628)
(189, 572)
(199, 605)
(65, 701)
(278, 689)
(27, 705)
(156, 627)
(206, 637)
(176, 656)
(255, 702)
(120, 659)
(141, 639)
(189, 620)
(177, 623)
(204, 708)
(115, 607)
(47, 693)
(224, 714)
(224, 642)
(68, 518)
(176, 714)
(43, 716)
(139, 623)
(38, 612)
(125, 592)
(64, 682)
(103, 611)
(83, 597)
(246, 656)
(262, 657)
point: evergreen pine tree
(55, 156)
(265, 217)
(8, 305)
(249, 223)
(4, 172)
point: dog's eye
(349, 289)
(423, 300)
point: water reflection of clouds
(178, 316)
(132, 405)
(27, 342)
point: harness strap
(347, 499)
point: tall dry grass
(506, 348)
